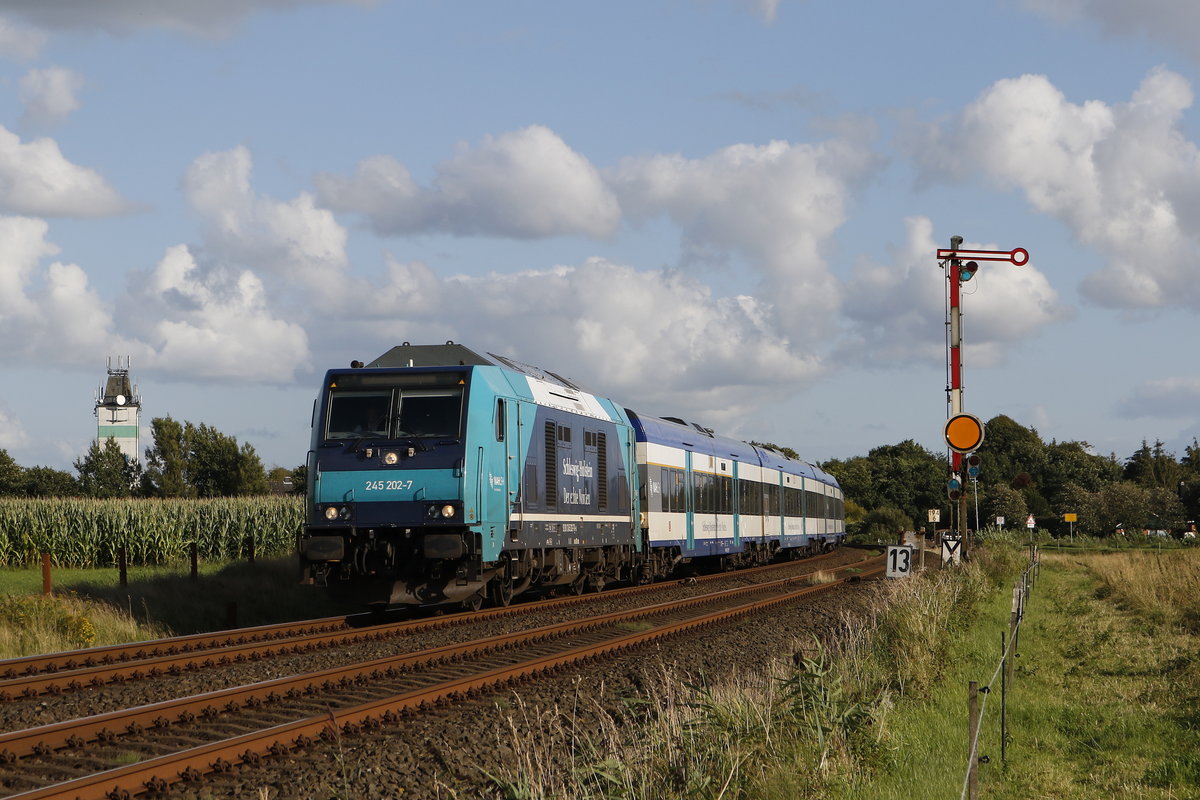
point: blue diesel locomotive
(437, 475)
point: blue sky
(718, 209)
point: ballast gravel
(451, 752)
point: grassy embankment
(89, 607)
(1104, 702)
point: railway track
(183, 739)
(56, 673)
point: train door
(492, 483)
(734, 503)
(689, 488)
(511, 426)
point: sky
(723, 210)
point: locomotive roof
(451, 354)
(431, 355)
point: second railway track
(56, 673)
(197, 731)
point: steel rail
(259, 644)
(44, 739)
(158, 774)
(132, 651)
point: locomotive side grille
(602, 470)
(551, 464)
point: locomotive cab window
(357, 413)
(429, 412)
(383, 413)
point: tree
(883, 524)
(49, 482)
(251, 479)
(1123, 507)
(1153, 467)
(166, 461)
(1010, 449)
(1070, 463)
(1003, 501)
(217, 467)
(300, 479)
(213, 461)
(905, 477)
(106, 472)
(11, 475)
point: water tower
(118, 410)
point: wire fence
(1004, 671)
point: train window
(564, 433)
(358, 413)
(500, 421)
(429, 412)
(674, 490)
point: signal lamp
(967, 271)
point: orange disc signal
(964, 433)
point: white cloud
(49, 315)
(212, 324)
(523, 184)
(36, 179)
(1169, 21)
(20, 42)
(767, 9)
(209, 18)
(12, 433)
(177, 320)
(1122, 177)
(292, 242)
(778, 205)
(898, 314)
(49, 94)
(606, 325)
(1172, 398)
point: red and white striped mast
(964, 433)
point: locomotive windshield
(396, 413)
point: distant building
(118, 410)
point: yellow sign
(1070, 518)
(964, 433)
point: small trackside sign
(900, 561)
(951, 550)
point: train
(439, 476)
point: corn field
(88, 533)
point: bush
(882, 525)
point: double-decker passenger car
(437, 475)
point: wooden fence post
(47, 583)
(972, 737)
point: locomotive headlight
(391, 457)
(331, 513)
(446, 511)
(344, 512)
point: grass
(90, 608)
(1103, 704)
